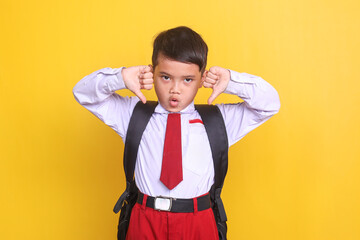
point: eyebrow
(185, 76)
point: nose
(174, 89)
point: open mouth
(174, 102)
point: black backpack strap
(216, 131)
(138, 122)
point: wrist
(120, 77)
(123, 72)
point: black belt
(178, 205)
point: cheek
(193, 91)
(157, 88)
(161, 88)
(157, 83)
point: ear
(203, 78)
(200, 84)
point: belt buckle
(163, 203)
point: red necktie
(171, 169)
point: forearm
(96, 92)
(257, 94)
(261, 101)
(98, 86)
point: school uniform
(96, 92)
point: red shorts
(147, 223)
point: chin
(174, 109)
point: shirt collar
(189, 109)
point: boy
(177, 72)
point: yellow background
(296, 177)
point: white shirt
(96, 92)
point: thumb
(213, 96)
(140, 95)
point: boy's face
(176, 83)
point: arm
(96, 92)
(261, 100)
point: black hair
(181, 44)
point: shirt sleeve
(96, 92)
(261, 101)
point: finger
(151, 68)
(210, 80)
(208, 85)
(146, 81)
(146, 75)
(212, 75)
(144, 69)
(214, 70)
(141, 96)
(147, 86)
(147, 69)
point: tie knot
(173, 116)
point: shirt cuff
(115, 81)
(234, 87)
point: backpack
(215, 129)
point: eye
(166, 78)
(188, 80)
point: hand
(138, 77)
(216, 78)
